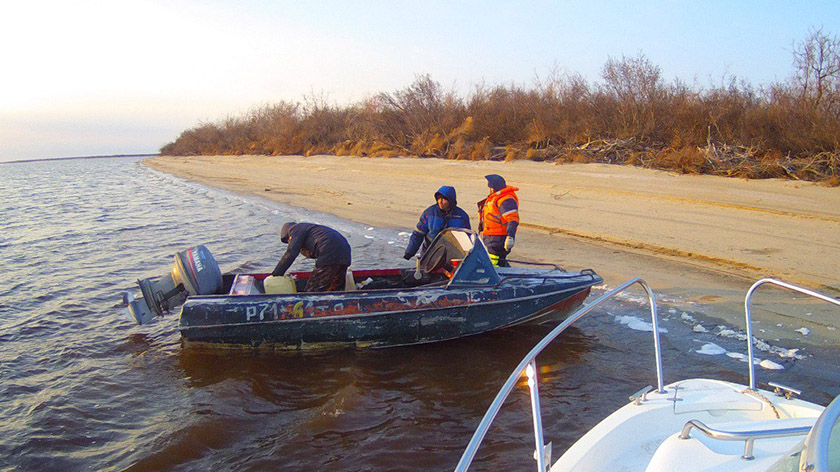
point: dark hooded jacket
(326, 245)
(433, 220)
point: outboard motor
(195, 272)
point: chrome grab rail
(528, 364)
(749, 316)
(748, 436)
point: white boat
(690, 425)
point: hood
(448, 193)
(496, 182)
(285, 230)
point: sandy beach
(701, 239)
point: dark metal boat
(391, 307)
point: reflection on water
(84, 388)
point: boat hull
(379, 318)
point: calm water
(84, 388)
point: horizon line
(42, 159)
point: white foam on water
(403, 233)
(699, 329)
(804, 331)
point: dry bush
(685, 160)
(513, 153)
(636, 86)
(481, 150)
(499, 114)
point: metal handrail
(748, 315)
(529, 360)
(748, 436)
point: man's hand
(509, 243)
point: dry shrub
(481, 150)
(513, 153)
(685, 160)
(458, 149)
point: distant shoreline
(45, 159)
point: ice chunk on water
(637, 324)
(767, 364)
(711, 349)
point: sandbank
(696, 238)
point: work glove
(508, 243)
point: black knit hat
(285, 230)
(496, 182)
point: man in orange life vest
(498, 218)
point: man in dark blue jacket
(326, 245)
(444, 214)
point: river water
(84, 388)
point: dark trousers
(329, 278)
(496, 246)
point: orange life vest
(494, 223)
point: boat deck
(661, 418)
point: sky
(85, 77)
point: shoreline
(699, 238)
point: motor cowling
(194, 272)
(196, 269)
